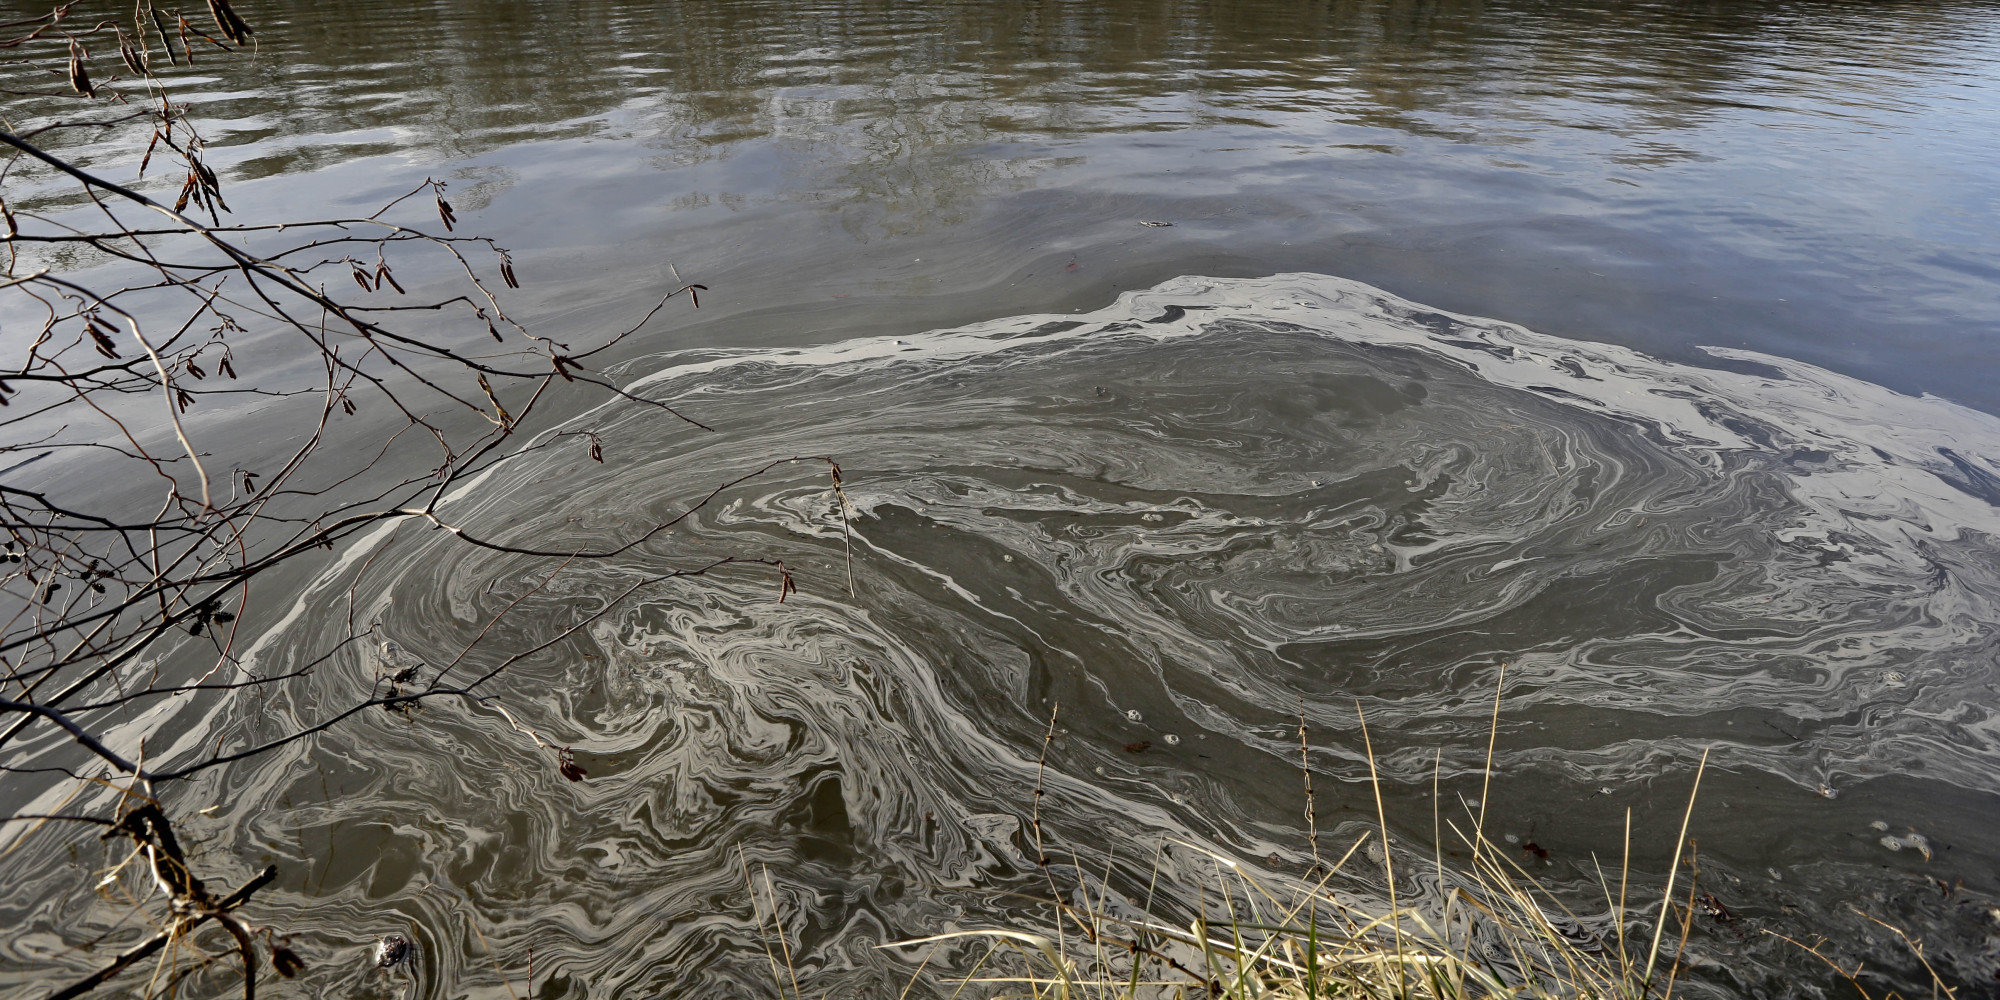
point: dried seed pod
(195, 370)
(225, 17)
(148, 158)
(507, 271)
(130, 55)
(596, 450)
(79, 77)
(160, 25)
(361, 278)
(494, 398)
(445, 213)
(181, 397)
(225, 367)
(383, 274)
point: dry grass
(1479, 928)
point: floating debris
(1172, 740)
(567, 766)
(1155, 225)
(1139, 747)
(1132, 715)
(391, 951)
(286, 962)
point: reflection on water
(1810, 179)
(447, 80)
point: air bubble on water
(1513, 839)
(1151, 517)
(1891, 843)
(1172, 740)
(1099, 769)
(1132, 715)
(1606, 790)
(1879, 826)
(1007, 558)
(1775, 877)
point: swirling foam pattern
(1185, 518)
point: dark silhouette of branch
(122, 595)
(145, 949)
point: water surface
(1186, 513)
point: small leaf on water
(1140, 747)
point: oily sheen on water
(1185, 519)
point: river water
(1644, 349)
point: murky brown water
(1201, 507)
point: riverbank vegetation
(1481, 927)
